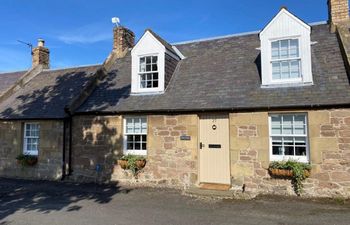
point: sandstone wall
(329, 138)
(50, 150)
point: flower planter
(123, 163)
(141, 163)
(27, 162)
(285, 173)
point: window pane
(155, 83)
(149, 84)
(154, 59)
(275, 49)
(129, 146)
(294, 48)
(148, 60)
(288, 150)
(137, 138)
(301, 151)
(148, 68)
(287, 124)
(154, 67)
(142, 65)
(277, 146)
(144, 146)
(144, 138)
(155, 76)
(284, 49)
(276, 127)
(130, 138)
(137, 146)
(276, 70)
(284, 70)
(294, 69)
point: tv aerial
(28, 44)
(116, 21)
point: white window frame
(125, 134)
(25, 139)
(139, 73)
(304, 159)
(300, 59)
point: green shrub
(298, 170)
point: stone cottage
(212, 111)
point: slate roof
(46, 95)
(162, 41)
(8, 79)
(224, 74)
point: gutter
(230, 109)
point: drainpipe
(64, 149)
(70, 121)
(70, 146)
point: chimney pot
(123, 39)
(41, 42)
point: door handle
(201, 145)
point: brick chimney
(41, 55)
(338, 11)
(123, 39)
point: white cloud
(87, 34)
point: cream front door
(214, 152)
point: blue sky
(79, 32)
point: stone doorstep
(220, 194)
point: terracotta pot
(123, 163)
(140, 163)
(31, 162)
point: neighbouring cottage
(212, 111)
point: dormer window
(153, 62)
(285, 60)
(148, 71)
(286, 52)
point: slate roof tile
(225, 74)
(46, 95)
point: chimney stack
(123, 39)
(41, 55)
(338, 11)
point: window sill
(302, 159)
(33, 153)
(286, 85)
(135, 152)
(150, 92)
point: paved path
(42, 202)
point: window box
(27, 160)
(285, 173)
(296, 171)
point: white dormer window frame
(147, 46)
(148, 72)
(282, 61)
(285, 26)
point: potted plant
(134, 163)
(27, 160)
(123, 162)
(296, 171)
